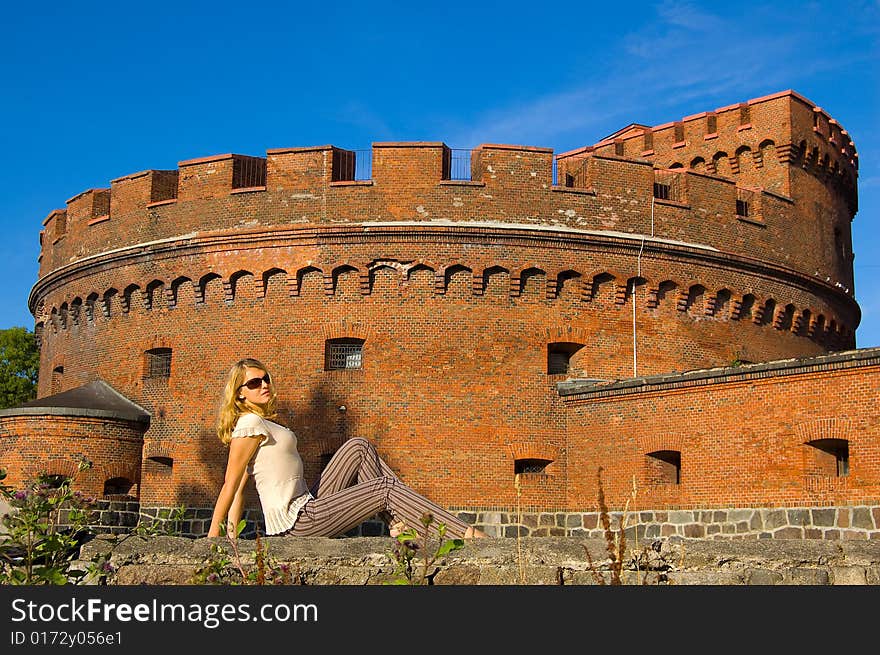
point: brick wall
(458, 288)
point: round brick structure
(436, 315)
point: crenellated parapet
(758, 143)
(594, 188)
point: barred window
(343, 354)
(530, 465)
(158, 364)
(742, 208)
(661, 191)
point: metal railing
(248, 172)
(352, 165)
(668, 186)
(575, 174)
(745, 202)
(460, 164)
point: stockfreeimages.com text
(210, 615)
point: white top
(278, 471)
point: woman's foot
(473, 533)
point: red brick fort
(674, 304)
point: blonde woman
(356, 484)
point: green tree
(19, 364)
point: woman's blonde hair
(231, 407)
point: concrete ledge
(168, 560)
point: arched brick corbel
(541, 450)
(441, 282)
(835, 427)
(68, 467)
(654, 442)
(344, 328)
(158, 449)
(128, 470)
(564, 334)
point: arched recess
(64, 315)
(420, 280)
(346, 281)
(309, 282)
(721, 308)
(183, 292)
(274, 284)
(747, 307)
(385, 280)
(561, 357)
(91, 306)
(636, 285)
(802, 323)
(745, 160)
(131, 300)
(767, 153)
(76, 310)
(818, 329)
(602, 289)
(210, 289)
(496, 281)
(667, 295)
(242, 287)
(696, 300)
(661, 460)
(698, 164)
(766, 312)
(108, 300)
(155, 295)
(458, 281)
(785, 319)
(533, 284)
(568, 285)
(721, 164)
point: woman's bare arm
(241, 450)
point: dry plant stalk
(615, 545)
(519, 558)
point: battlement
(745, 141)
(756, 170)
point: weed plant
(414, 555)
(44, 531)
(225, 568)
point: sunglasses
(255, 383)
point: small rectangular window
(158, 363)
(559, 357)
(742, 208)
(828, 458)
(342, 354)
(661, 191)
(678, 132)
(664, 467)
(533, 466)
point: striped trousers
(357, 485)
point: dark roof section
(775, 368)
(96, 399)
(624, 130)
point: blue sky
(93, 91)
